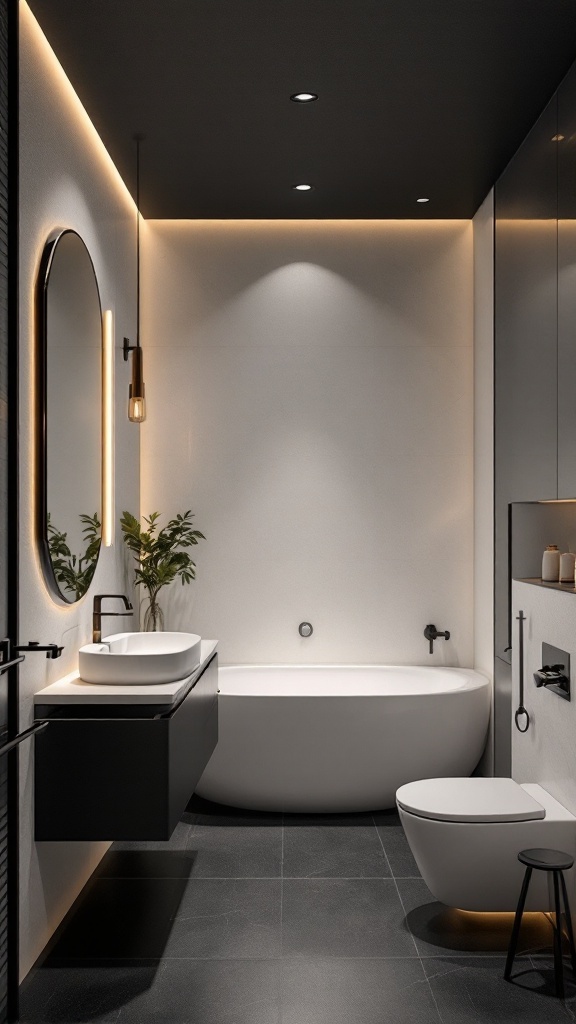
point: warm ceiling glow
(65, 95)
(297, 225)
(303, 188)
(108, 429)
(304, 97)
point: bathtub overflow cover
(305, 629)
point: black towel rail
(521, 710)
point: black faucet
(98, 614)
(432, 634)
(554, 676)
(52, 650)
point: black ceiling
(416, 98)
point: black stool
(556, 862)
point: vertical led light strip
(107, 429)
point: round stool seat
(546, 860)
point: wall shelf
(566, 588)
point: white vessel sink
(140, 658)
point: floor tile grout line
(383, 849)
(282, 889)
(280, 970)
(431, 990)
(398, 891)
(426, 979)
(258, 878)
(440, 1017)
(52, 962)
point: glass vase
(153, 617)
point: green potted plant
(161, 556)
(74, 573)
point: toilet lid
(469, 800)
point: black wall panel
(566, 149)
(8, 505)
(534, 351)
(525, 355)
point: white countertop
(73, 690)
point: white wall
(310, 396)
(546, 753)
(483, 227)
(67, 180)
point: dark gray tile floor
(246, 918)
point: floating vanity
(121, 762)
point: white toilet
(466, 834)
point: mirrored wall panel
(70, 419)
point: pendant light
(136, 393)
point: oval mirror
(69, 361)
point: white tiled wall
(310, 396)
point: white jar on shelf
(551, 564)
(567, 566)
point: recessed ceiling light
(557, 138)
(422, 200)
(304, 97)
(303, 188)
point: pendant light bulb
(137, 391)
(137, 410)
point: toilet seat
(469, 800)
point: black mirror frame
(41, 353)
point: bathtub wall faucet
(432, 634)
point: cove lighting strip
(108, 429)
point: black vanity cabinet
(111, 771)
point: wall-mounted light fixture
(136, 391)
(136, 394)
(108, 429)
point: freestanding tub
(341, 738)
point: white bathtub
(341, 738)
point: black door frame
(13, 847)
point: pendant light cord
(138, 141)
